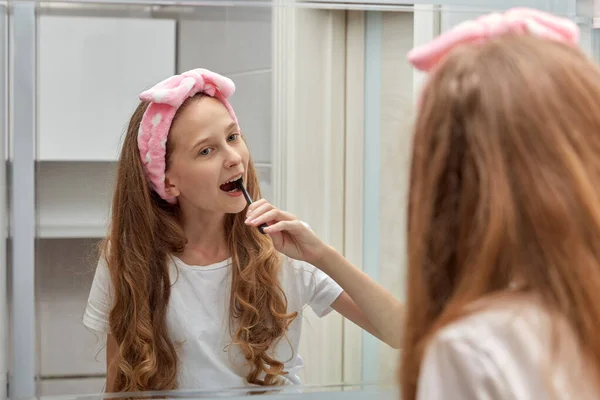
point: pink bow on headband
(176, 89)
(517, 21)
(165, 98)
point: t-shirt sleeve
(318, 289)
(99, 302)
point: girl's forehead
(205, 117)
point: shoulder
(469, 357)
(500, 348)
(511, 319)
(102, 274)
(291, 270)
(291, 264)
(294, 271)
(309, 285)
(497, 329)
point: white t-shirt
(504, 352)
(198, 318)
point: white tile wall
(236, 42)
(396, 123)
(201, 42)
(252, 104)
(227, 40)
(264, 176)
(450, 17)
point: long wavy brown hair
(505, 186)
(144, 231)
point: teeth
(234, 179)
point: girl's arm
(365, 302)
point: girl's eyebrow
(200, 142)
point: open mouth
(231, 186)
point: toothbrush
(240, 185)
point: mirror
(325, 100)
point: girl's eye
(204, 152)
(233, 137)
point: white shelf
(73, 231)
(73, 198)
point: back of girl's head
(505, 182)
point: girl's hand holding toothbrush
(290, 236)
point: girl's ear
(171, 188)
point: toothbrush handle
(241, 186)
(261, 228)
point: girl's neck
(206, 241)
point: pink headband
(165, 99)
(516, 21)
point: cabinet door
(90, 72)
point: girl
(191, 296)
(504, 215)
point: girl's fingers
(274, 215)
(255, 205)
(292, 227)
(259, 210)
